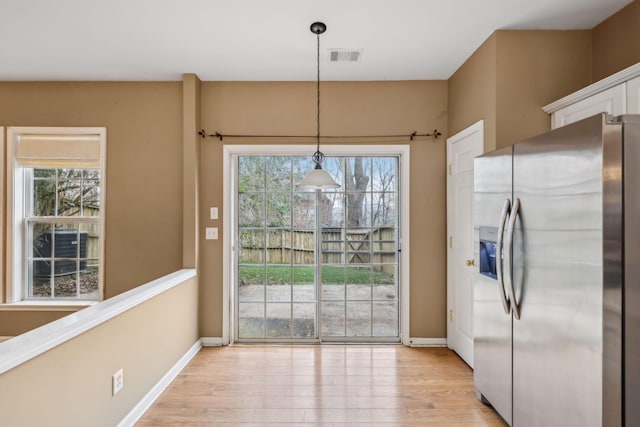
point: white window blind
(58, 151)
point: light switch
(211, 233)
(213, 213)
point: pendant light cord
(318, 156)
(318, 93)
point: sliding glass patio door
(317, 266)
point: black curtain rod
(411, 136)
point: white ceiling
(263, 39)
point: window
(56, 224)
(63, 233)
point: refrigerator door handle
(508, 258)
(503, 220)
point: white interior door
(461, 149)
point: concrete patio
(347, 311)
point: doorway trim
(228, 224)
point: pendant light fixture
(318, 178)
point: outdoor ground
(65, 286)
(346, 311)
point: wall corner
(190, 169)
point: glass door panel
(276, 286)
(359, 251)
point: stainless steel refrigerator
(556, 289)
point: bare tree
(384, 200)
(356, 183)
(65, 192)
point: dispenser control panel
(488, 240)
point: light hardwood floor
(329, 385)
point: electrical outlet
(213, 213)
(117, 382)
(211, 233)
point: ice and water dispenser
(488, 240)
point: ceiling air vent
(345, 55)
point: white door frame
(476, 146)
(228, 183)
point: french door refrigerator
(556, 290)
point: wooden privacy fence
(338, 246)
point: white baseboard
(212, 341)
(155, 392)
(427, 342)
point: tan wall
(190, 170)
(144, 165)
(512, 76)
(70, 385)
(13, 323)
(616, 42)
(353, 108)
(535, 68)
(472, 93)
(144, 169)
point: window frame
(17, 211)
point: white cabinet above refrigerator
(617, 94)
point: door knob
(470, 263)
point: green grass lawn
(281, 274)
